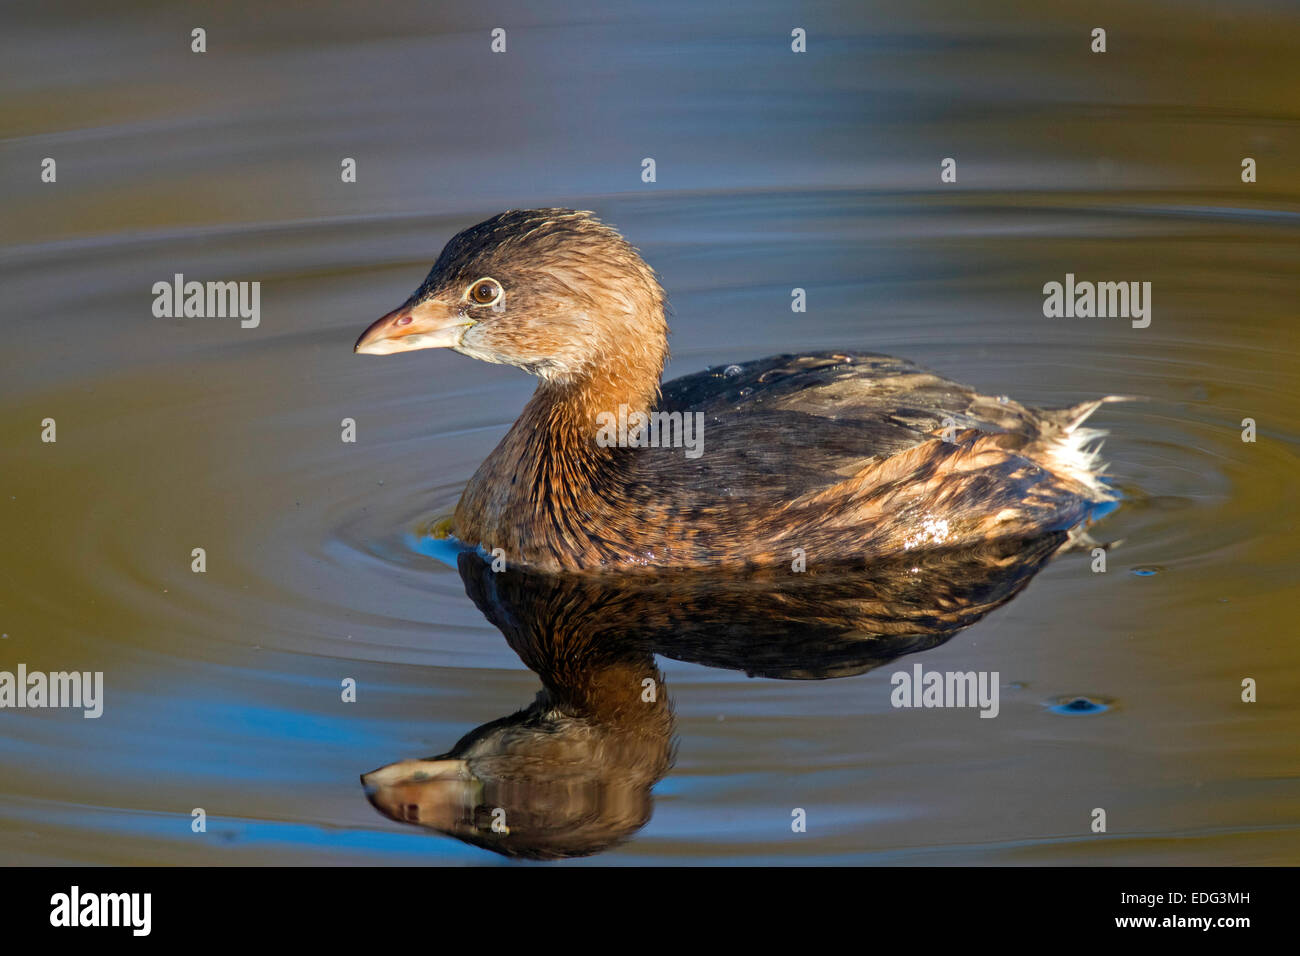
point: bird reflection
(572, 773)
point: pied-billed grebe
(841, 455)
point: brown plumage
(845, 455)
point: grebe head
(553, 291)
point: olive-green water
(775, 170)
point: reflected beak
(416, 325)
(439, 794)
(415, 771)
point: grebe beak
(415, 325)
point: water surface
(775, 171)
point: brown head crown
(553, 291)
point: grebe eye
(485, 291)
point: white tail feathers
(1075, 452)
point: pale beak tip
(424, 325)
